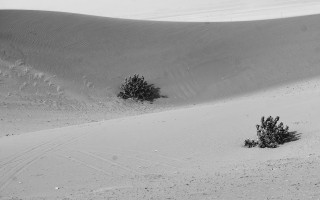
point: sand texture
(176, 10)
(65, 134)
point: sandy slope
(193, 153)
(75, 63)
(66, 69)
(175, 10)
(190, 62)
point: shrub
(270, 134)
(250, 143)
(138, 89)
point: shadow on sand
(292, 136)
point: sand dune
(175, 10)
(193, 153)
(60, 69)
(190, 62)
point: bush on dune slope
(271, 134)
(138, 89)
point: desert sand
(175, 10)
(65, 134)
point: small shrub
(138, 89)
(270, 134)
(250, 143)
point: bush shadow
(155, 94)
(292, 136)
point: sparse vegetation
(250, 143)
(271, 134)
(138, 89)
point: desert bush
(250, 143)
(138, 89)
(270, 134)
